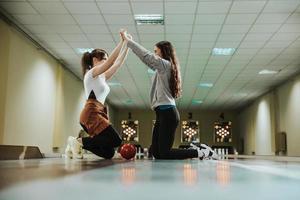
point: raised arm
(119, 61)
(150, 59)
(99, 69)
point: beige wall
(257, 126)
(206, 121)
(275, 112)
(69, 103)
(289, 111)
(40, 101)
(4, 52)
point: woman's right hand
(125, 36)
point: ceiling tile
(114, 7)
(82, 7)
(294, 18)
(182, 7)
(265, 28)
(235, 28)
(290, 28)
(282, 6)
(179, 19)
(66, 29)
(275, 18)
(247, 6)
(49, 7)
(59, 19)
(74, 37)
(29, 19)
(119, 19)
(213, 7)
(210, 19)
(173, 29)
(240, 19)
(89, 19)
(150, 7)
(99, 37)
(203, 29)
(18, 8)
(94, 29)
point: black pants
(163, 136)
(104, 143)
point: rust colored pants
(103, 137)
(93, 117)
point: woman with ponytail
(166, 87)
(97, 68)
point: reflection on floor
(149, 179)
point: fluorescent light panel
(114, 84)
(206, 85)
(223, 51)
(196, 101)
(267, 72)
(149, 19)
(83, 50)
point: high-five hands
(125, 36)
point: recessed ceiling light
(149, 19)
(114, 84)
(266, 72)
(196, 101)
(83, 50)
(208, 85)
(223, 51)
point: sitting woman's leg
(168, 123)
(104, 143)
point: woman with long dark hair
(97, 68)
(166, 87)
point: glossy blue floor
(149, 179)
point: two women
(166, 87)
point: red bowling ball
(128, 151)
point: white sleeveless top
(97, 84)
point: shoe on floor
(68, 152)
(75, 147)
(205, 152)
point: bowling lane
(152, 179)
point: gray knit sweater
(160, 93)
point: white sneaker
(75, 147)
(205, 152)
(212, 153)
(68, 152)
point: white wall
(30, 95)
(277, 111)
(263, 128)
(40, 101)
(4, 54)
(289, 114)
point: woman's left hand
(122, 34)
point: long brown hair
(87, 59)
(168, 53)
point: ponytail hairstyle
(87, 59)
(168, 53)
